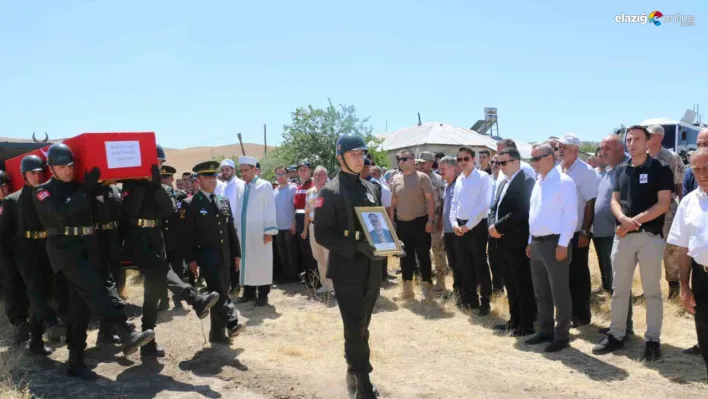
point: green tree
(313, 135)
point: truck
(14, 149)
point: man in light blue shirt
(285, 241)
(448, 169)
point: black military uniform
(65, 211)
(145, 204)
(106, 207)
(11, 283)
(352, 266)
(32, 261)
(171, 234)
(211, 242)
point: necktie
(496, 201)
(213, 204)
(381, 238)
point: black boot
(77, 368)
(203, 302)
(152, 349)
(132, 340)
(217, 333)
(37, 345)
(364, 388)
(22, 332)
(262, 300)
(106, 338)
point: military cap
(167, 170)
(208, 168)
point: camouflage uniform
(674, 161)
(438, 246)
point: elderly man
(674, 161)
(256, 226)
(438, 244)
(640, 199)
(585, 179)
(320, 253)
(688, 233)
(553, 217)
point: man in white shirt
(468, 216)
(504, 143)
(585, 179)
(553, 216)
(689, 233)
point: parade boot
(37, 345)
(202, 302)
(235, 329)
(77, 368)
(427, 291)
(22, 332)
(132, 340)
(106, 338)
(217, 333)
(152, 349)
(407, 291)
(440, 283)
(364, 388)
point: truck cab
(13, 149)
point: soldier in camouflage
(438, 245)
(656, 150)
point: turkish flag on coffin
(119, 156)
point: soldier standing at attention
(65, 211)
(13, 288)
(211, 246)
(31, 257)
(145, 203)
(171, 233)
(354, 269)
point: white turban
(246, 160)
(228, 162)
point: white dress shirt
(503, 193)
(525, 167)
(554, 207)
(471, 198)
(586, 183)
(690, 226)
(220, 186)
(229, 190)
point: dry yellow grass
(294, 349)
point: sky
(196, 73)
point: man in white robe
(256, 226)
(230, 186)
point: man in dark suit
(509, 231)
(379, 234)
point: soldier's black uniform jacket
(334, 215)
(7, 229)
(171, 224)
(107, 209)
(144, 203)
(64, 207)
(21, 209)
(208, 226)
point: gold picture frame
(371, 218)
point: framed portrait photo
(379, 230)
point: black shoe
(607, 345)
(40, 348)
(694, 350)
(522, 332)
(22, 332)
(77, 368)
(505, 327)
(652, 351)
(674, 289)
(538, 339)
(262, 301)
(474, 305)
(204, 302)
(245, 299)
(152, 349)
(219, 339)
(235, 330)
(557, 345)
(106, 338)
(364, 388)
(606, 330)
(135, 340)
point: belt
(107, 226)
(35, 235)
(147, 223)
(72, 231)
(357, 235)
(299, 211)
(547, 238)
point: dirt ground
(294, 349)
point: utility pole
(243, 151)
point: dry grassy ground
(294, 350)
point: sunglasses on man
(465, 159)
(402, 159)
(538, 158)
(503, 163)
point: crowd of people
(494, 222)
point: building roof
(435, 133)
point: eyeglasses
(492, 163)
(538, 158)
(402, 159)
(503, 163)
(463, 159)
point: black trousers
(356, 303)
(471, 250)
(417, 243)
(309, 263)
(519, 285)
(77, 321)
(449, 240)
(699, 286)
(13, 290)
(580, 285)
(249, 291)
(110, 253)
(177, 266)
(36, 271)
(216, 276)
(603, 249)
(495, 264)
(286, 245)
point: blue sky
(198, 72)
